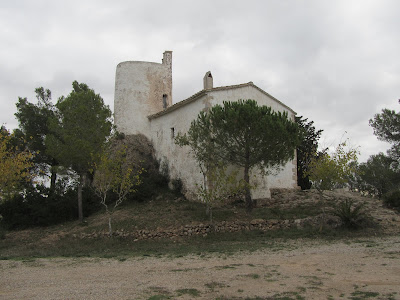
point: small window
(164, 101)
(172, 133)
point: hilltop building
(143, 105)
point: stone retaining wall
(204, 229)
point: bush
(2, 233)
(352, 215)
(392, 199)
(152, 184)
(177, 186)
(37, 208)
(140, 152)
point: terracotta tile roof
(204, 92)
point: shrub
(392, 199)
(352, 215)
(152, 184)
(37, 208)
(177, 186)
(2, 233)
(140, 151)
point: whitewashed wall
(181, 162)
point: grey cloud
(334, 62)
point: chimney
(208, 81)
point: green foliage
(177, 185)
(376, 176)
(15, 165)
(114, 173)
(218, 186)
(352, 215)
(190, 292)
(242, 134)
(81, 128)
(306, 151)
(140, 151)
(79, 131)
(3, 233)
(386, 127)
(153, 183)
(159, 297)
(328, 171)
(361, 295)
(34, 122)
(249, 135)
(392, 199)
(38, 207)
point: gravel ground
(357, 269)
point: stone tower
(141, 89)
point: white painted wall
(139, 90)
(181, 162)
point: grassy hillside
(169, 212)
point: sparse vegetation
(191, 292)
(115, 174)
(361, 295)
(214, 285)
(159, 297)
(170, 212)
(392, 199)
(329, 171)
(352, 215)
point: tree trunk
(80, 187)
(53, 179)
(246, 177)
(109, 225)
(207, 209)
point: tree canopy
(113, 172)
(306, 150)
(376, 176)
(79, 130)
(329, 171)
(14, 164)
(33, 122)
(246, 135)
(386, 127)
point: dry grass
(170, 211)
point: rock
(257, 221)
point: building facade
(143, 104)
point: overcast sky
(334, 62)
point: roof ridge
(203, 92)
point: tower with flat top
(141, 89)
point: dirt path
(309, 269)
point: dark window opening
(172, 133)
(164, 99)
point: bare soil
(363, 268)
(302, 268)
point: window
(172, 133)
(164, 101)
